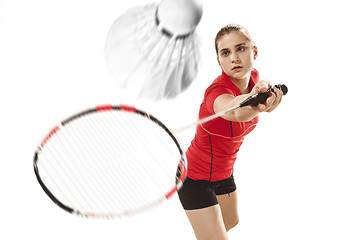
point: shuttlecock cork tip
(180, 17)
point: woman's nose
(235, 58)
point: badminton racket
(112, 161)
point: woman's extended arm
(244, 114)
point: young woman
(209, 192)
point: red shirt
(212, 153)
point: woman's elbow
(244, 115)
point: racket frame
(179, 178)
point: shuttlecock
(153, 50)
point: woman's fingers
(276, 97)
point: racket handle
(260, 98)
(282, 87)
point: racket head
(110, 161)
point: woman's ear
(255, 50)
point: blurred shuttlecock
(152, 50)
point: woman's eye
(240, 49)
(225, 53)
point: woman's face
(236, 55)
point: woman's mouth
(237, 67)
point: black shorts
(197, 194)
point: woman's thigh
(229, 209)
(207, 223)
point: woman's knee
(232, 224)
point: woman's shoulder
(219, 82)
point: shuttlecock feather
(153, 50)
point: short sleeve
(213, 93)
(254, 79)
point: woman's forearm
(243, 114)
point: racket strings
(130, 162)
(83, 191)
(161, 136)
(103, 174)
(51, 169)
(109, 152)
(130, 150)
(89, 182)
(106, 145)
(77, 178)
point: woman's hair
(230, 28)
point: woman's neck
(242, 84)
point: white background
(297, 173)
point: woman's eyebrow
(240, 44)
(224, 49)
(237, 45)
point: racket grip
(260, 98)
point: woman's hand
(272, 101)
